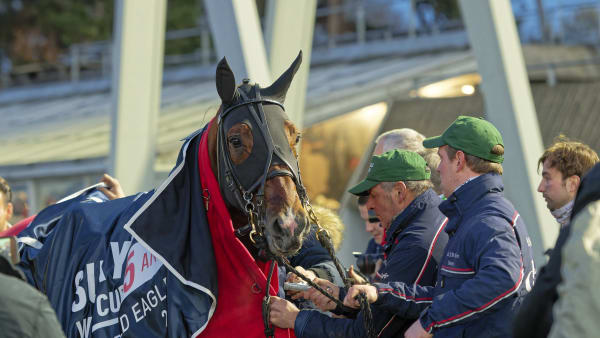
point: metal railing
(366, 21)
(94, 59)
(358, 22)
(567, 23)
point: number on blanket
(163, 313)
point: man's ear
(461, 160)
(572, 183)
(400, 189)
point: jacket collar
(465, 196)
(400, 222)
(589, 190)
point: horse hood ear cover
(225, 82)
(279, 88)
(262, 110)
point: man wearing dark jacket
(564, 164)
(24, 311)
(487, 268)
(576, 310)
(400, 193)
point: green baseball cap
(474, 136)
(393, 166)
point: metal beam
(509, 106)
(238, 36)
(136, 84)
(289, 28)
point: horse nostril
(277, 228)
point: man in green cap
(399, 191)
(488, 266)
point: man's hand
(416, 331)
(355, 290)
(113, 189)
(357, 278)
(319, 299)
(283, 313)
(292, 278)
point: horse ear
(280, 87)
(225, 81)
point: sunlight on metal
(331, 151)
(467, 89)
(371, 114)
(462, 85)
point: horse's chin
(286, 245)
(279, 249)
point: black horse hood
(262, 111)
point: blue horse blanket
(140, 266)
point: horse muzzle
(285, 233)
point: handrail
(94, 58)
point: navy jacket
(485, 273)
(374, 248)
(312, 255)
(415, 244)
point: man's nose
(541, 187)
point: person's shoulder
(413, 237)
(489, 225)
(372, 247)
(493, 210)
(26, 310)
(18, 294)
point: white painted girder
(510, 107)
(136, 90)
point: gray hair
(410, 139)
(405, 138)
(433, 161)
(416, 187)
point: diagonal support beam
(136, 85)
(509, 106)
(237, 35)
(289, 28)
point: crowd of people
(453, 255)
(448, 254)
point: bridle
(248, 196)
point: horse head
(257, 163)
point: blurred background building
(376, 65)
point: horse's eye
(235, 141)
(298, 138)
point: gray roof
(70, 123)
(47, 128)
(567, 108)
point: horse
(257, 154)
(253, 150)
(191, 257)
